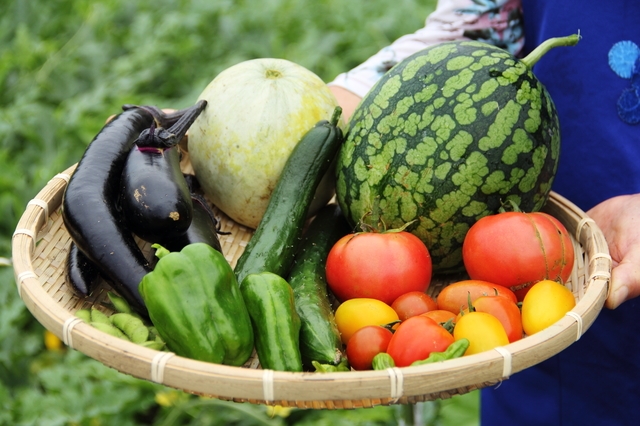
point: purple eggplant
(89, 206)
(154, 196)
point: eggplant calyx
(157, 136)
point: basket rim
(309, 389)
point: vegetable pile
(434, 185)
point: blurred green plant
(64, 68)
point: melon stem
(537, 53)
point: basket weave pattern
(41, 244)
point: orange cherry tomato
(440, 316)
(413, 303)
(507, 312)
(455, 296)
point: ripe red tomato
(413, 303)
(505, 310)
(378, 265)
(416, 338)
(517, 249)
(366, 343)
(455, 297)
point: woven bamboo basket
(41, 243)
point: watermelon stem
(537, 53)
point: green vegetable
(382, 361)
(446, 137)
(454, 350)
(319, 336)
(343, 365)
(195, 305)
(131, 325)
(276, 324)
(110, 329)
(84, 314)
(275, 242)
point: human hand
(619, 220)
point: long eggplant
(155, 197)
(204, 228)
(80, 272)
(89, 205)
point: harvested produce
(416, 338)
(365, 344)
(89, 204)
(378, 265)
(154, 196)
(354, 314)
(413, 303)
(203, 228)
(80, 272)
(195, 304)
(483, 330)
(276, 324)
(545, 303)
(504, 309)
(258, 112)
(445, 137)
(517, 249)
(274, 243)
(456, 296)
(454, 350)
(319, 335)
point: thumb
(625, 283)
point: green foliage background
(65, 66)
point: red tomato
(517, 249)
(413, 303)
(505, 310)
(366, 343)
(416, 338)
(378, 265)
(455, 297)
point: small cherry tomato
(378, 265)
(440, 316)
(483, 330)
(354, 314)
(416, 338)
(366, 343)
(413, 303)
(507, 312)
(545, 303)
(455, 296)
(517, 249)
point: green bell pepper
(195, 304)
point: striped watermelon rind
(446, 137)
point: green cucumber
(273, 246)
(275, 322)
(319, 336)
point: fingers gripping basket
(41, 244)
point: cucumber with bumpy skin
(273, 246)
(319, 336)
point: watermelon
(448, 136)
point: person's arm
(498, 23)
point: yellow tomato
(483, 330)
(353, 314)
(545, 303)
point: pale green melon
(257, 112)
